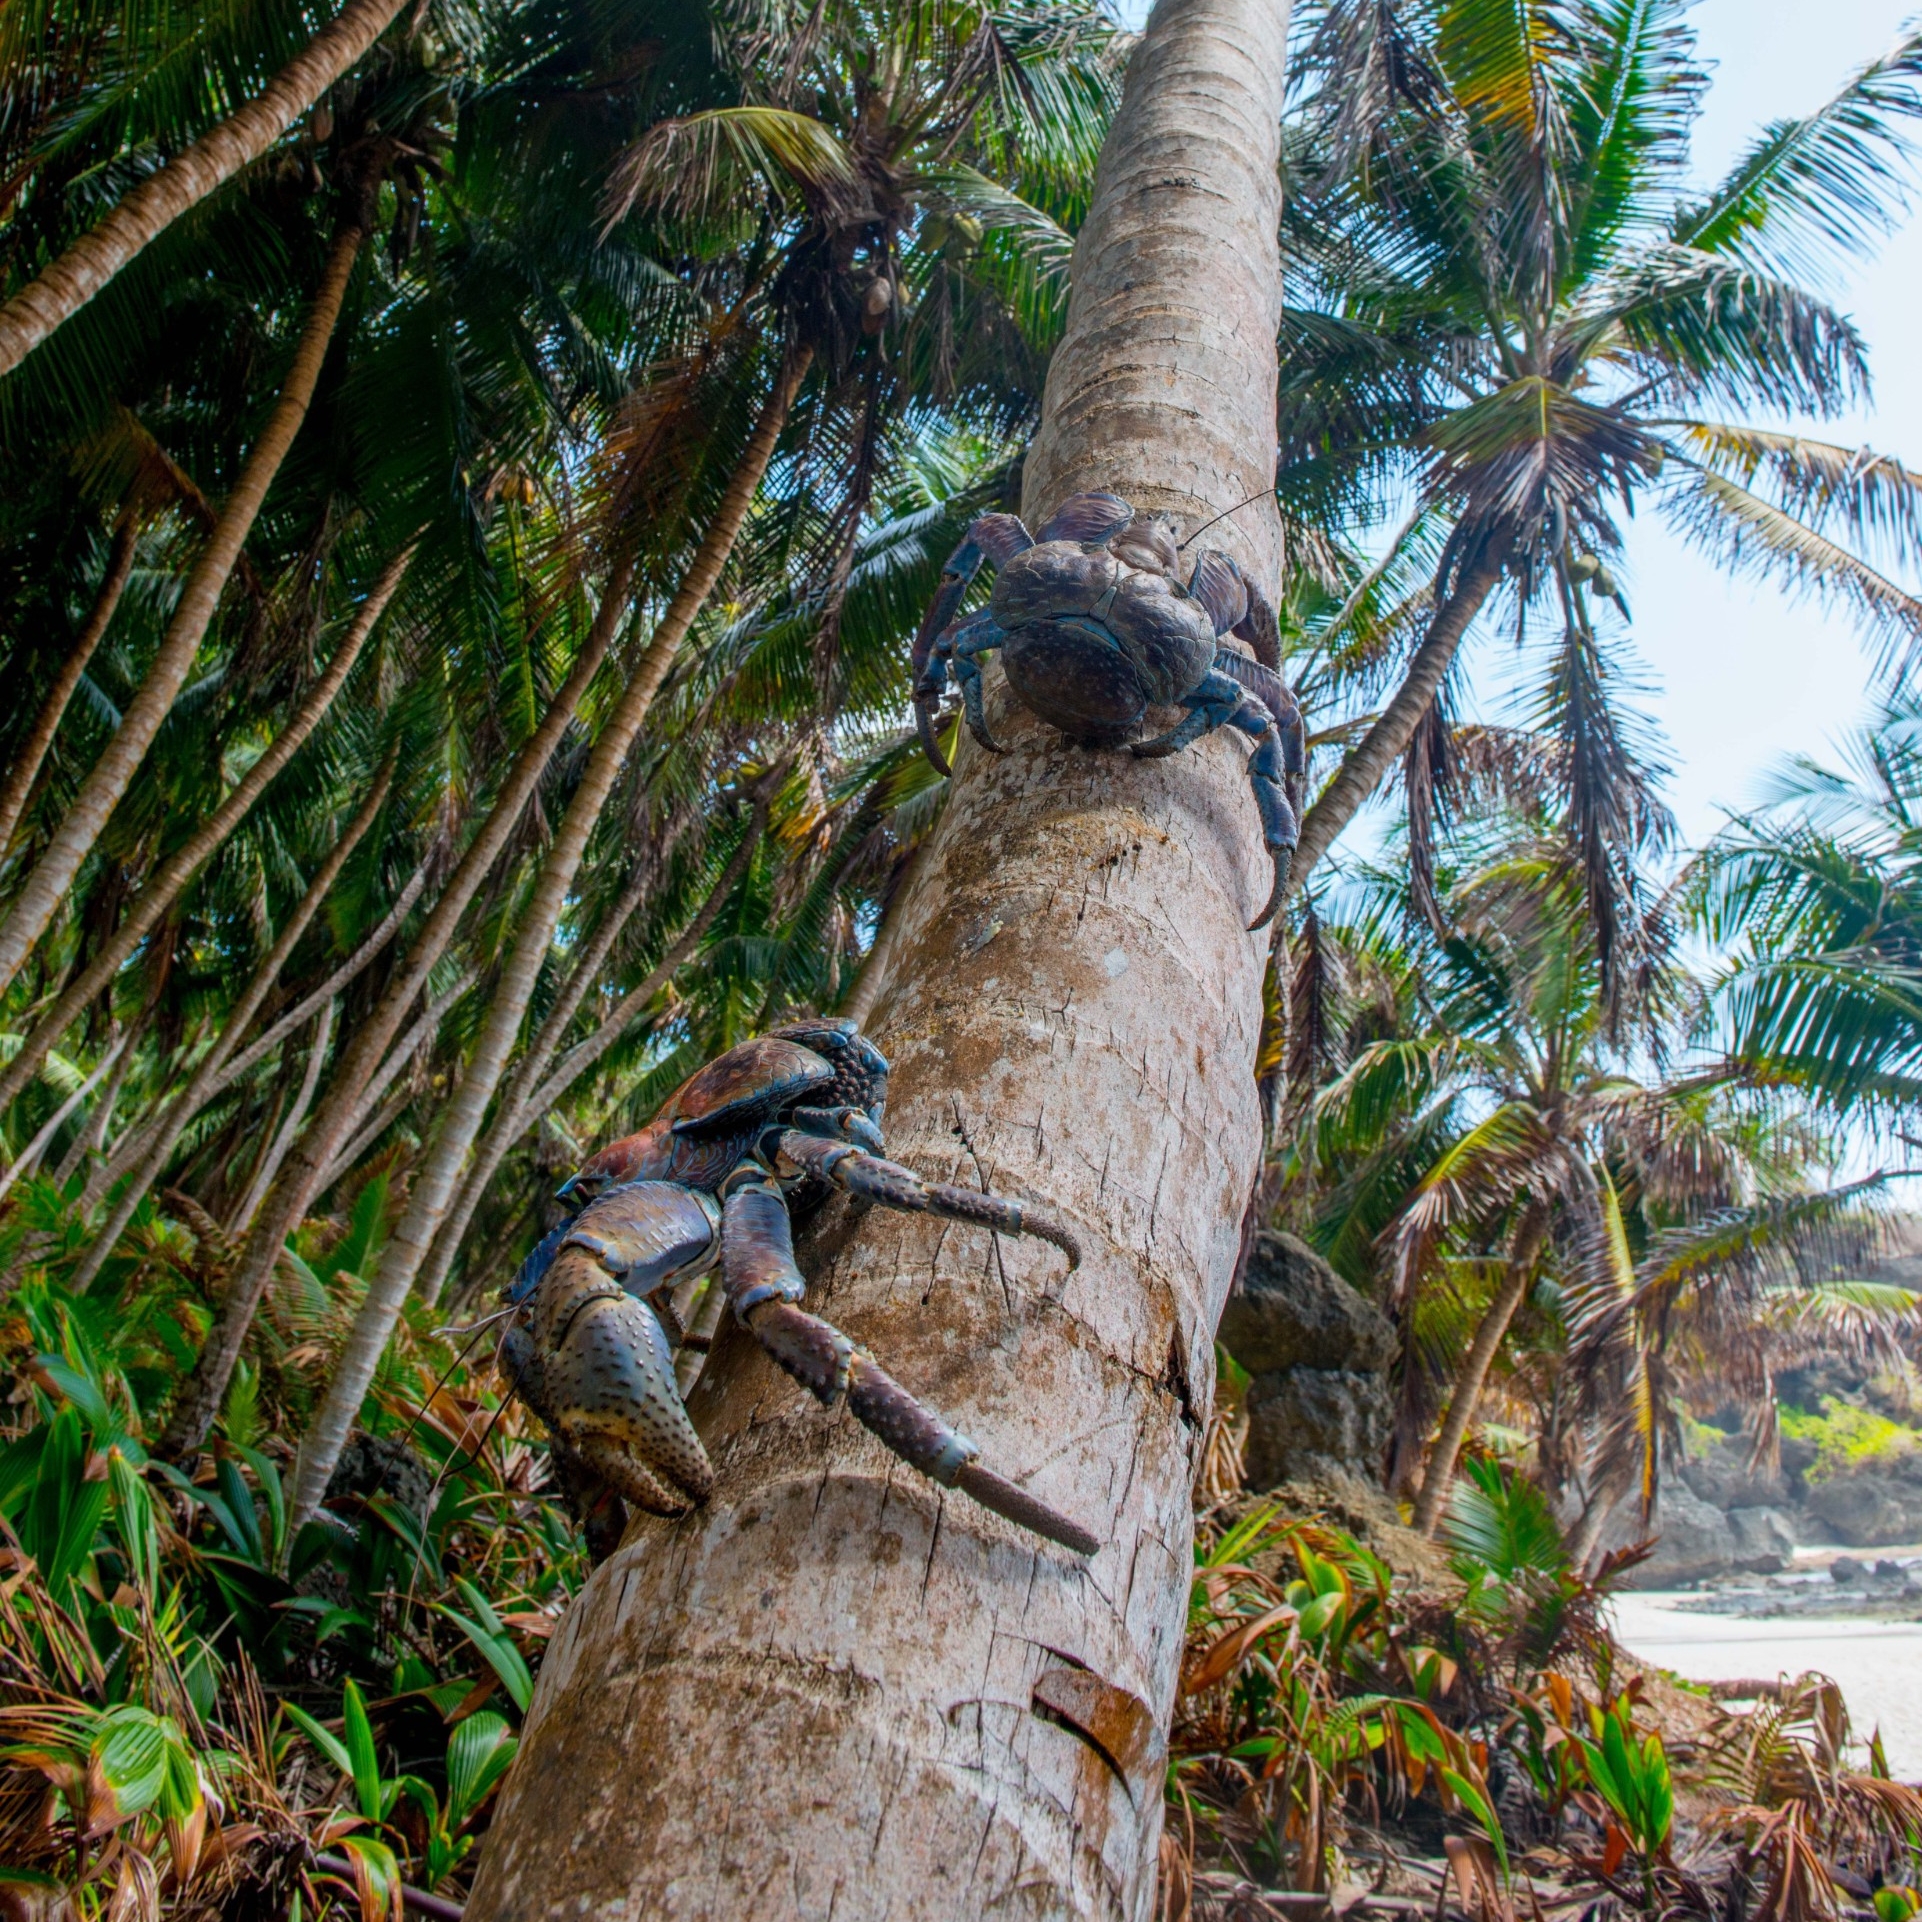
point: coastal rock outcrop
(1318, 1354)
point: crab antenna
(1223, 515)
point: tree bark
(356, 964)
(201, 1395)
(528, 1096)
(1439, 1476)
(1072, 1012)
(72, 280)
(432, 1187)
(1364, 769)
(46, 724)
(171, 878)
(31, 1153)
(156, 1143)
(52, 876)
(290, 1128)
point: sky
(1738, 677)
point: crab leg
(930, 668)
(894, 1186)
(765, 1287)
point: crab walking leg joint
(778, 1120)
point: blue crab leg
(967, 644)
(1279, 828)
(1220, 702)
(928, 658)
(765, 1287)
(894, 1186)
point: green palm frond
(1748, 533)
(1821, 183)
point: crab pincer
(777, 1122)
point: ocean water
(1877, 1665)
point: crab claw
(927, 708)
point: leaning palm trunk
(921, 1664)
(290, 1128)
(47, 886)
(528, 1096)
(1439, 1477)
(333, 1123)
(152, 207)
(170, 880)
(148, 1154)
(1381, 748)
(29, 1156)
(432, 1188)
(46, 724)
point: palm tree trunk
(201, 1395)
(24, 1163)
(874, 970)
(1439, 1477)
(290, 1128)
(46, 724)
(143, 1158)
(52, 876)
(1368, 765)
(152, 207)
(303, 1011)
(172, 877)
(528, 1097)
(92, 1139)
(432, 1188)
(830, 1610)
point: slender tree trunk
(46, 887)
(1439, 1477)
(143, 215)
(290, 1128)
(434, 1181)
(1072, 1011)
(874, 971)
(1364, 770)
(201, 1395)
(46, 724)
(528, 1097)
(92, 1139)
(170, 880)
(31, 1153)
(356, 964)
(156, 1143)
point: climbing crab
(781, 1120)
(1096, 623)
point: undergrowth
(201, 1712)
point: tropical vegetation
(477, 469)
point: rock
(1724, 1479)
(1764, 1540)
(1305, 1423)
(1845, 1568)
(1291, 1310)
(1867, 1510)
(1886, 1571)
(1692, 1540)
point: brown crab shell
(1092, 642)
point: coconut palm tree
(1511, 306)
(1816, 898)
(1072, 950)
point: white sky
(1738, 676)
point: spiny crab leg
(894, 1186)
(765, 1288)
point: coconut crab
(1096, 623)
(778, 1122)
